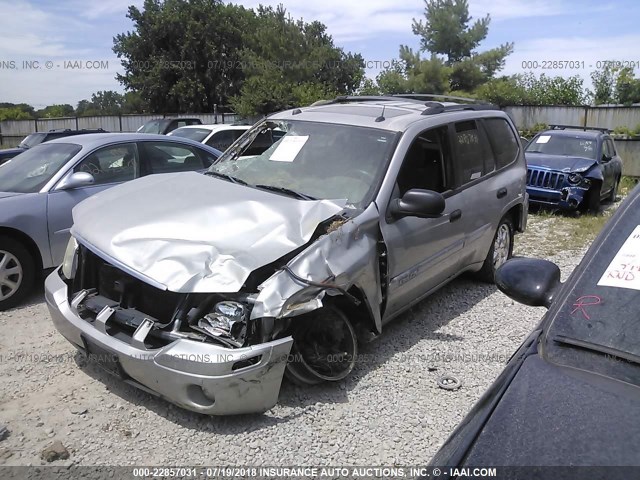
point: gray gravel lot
(389, 411)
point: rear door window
(503, 141)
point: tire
(613, 195)
(17, 272)
(501, 250)
(593, 198)
(325, 347)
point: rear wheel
(500, 251)
(325, 347)
(17, 272)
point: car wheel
(593, 198)
(17, 272)
(325, 347)
(614, 191)
(500, 251)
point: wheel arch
(27, 241)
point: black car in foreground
(570, 395)
(572, 168)
(37, 138)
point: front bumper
(569, 197)
(198, 376)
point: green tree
(527, 89)
(454, 64)
(12, 111)
(55, 111)
(604, 83)
(290, 63)
(184, 55)
(627, 87)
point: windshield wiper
(594, 347)
(287, 191)
(226, 177)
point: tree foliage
(290, 62)
(192, 55)
(453, 64)
(527, 89)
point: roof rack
(432, 107)
(579, 127)
(429, 96)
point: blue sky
(79, 30)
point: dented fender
(345, 257)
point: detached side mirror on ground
(531, 281)
(76, 180)
(418, 203)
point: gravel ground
(389, 411)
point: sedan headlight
(70, 261)
(575, 178)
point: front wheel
(614, 191)
(500, 251)
(593, 198)
(325, 347)
(17, 272)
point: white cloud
(587, 53)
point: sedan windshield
(31, 170)
(315, 160)
(32, 140)
(195, 134)
(601, 310)
(564, 145)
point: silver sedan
(39, 188)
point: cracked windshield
(317, 160)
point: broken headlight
(575, 178)
(70, 262)
(227, 322)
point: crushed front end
(554, 188)
(199, 351)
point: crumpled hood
(559, 162)
(194, 233)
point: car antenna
(381, 117)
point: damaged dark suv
(207, 288)
(572, 168)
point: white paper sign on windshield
(543, 138)
(289, 148)
(624, 269)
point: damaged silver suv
(314, 229)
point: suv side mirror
(418, 203)
(531, 281)
(606, 158)
(76, 180)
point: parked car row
(312, 231)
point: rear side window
(473, 157)
(608, 148)
(223, 140)
(503, 141)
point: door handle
(501, 193)
(455, 215)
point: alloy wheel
(10, 274)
